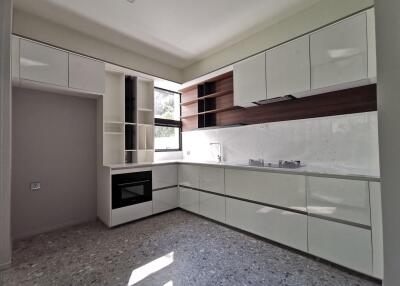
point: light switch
(35, 186)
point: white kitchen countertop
(308, 170)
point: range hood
(276, 99)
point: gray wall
(388, 59)
(5, 131)
(54, 143)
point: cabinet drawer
(189, 175)
(212, 206)
(339, 198)
(270, 188)
(165, 176)
(43, 64)
(189, 199)
(165, 199)
(340, 243)
(86, 74)
(212, 179)
(279, 225)
(339, 53)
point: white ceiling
(175, 32)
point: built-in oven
(130, 189)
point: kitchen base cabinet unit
(279, 225)
(189, 199)
(165, 199)
(341, 199)
(343, 244)
(130, 213)
(189, 175)
(283, 190)
(165, 176)
(212, 206)
(212, 179)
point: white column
(388, 58)
(5, 131)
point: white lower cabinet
(130, 213)
(165, 199)
(343, 244)
(188, 175)
(189, 199)
(283, 190)
(212, 179)
(342, 199)
(279, 225)
(376, 225)
(212, 206)
(164, 176)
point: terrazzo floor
(179, 247)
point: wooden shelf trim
(212, 111)
(212, 95)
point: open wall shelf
(127, 118)
(203, 105)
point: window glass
(167, 104)
(167, 138)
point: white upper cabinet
(15, 57)
(371, 44)
(288, 68)
(86, 74)
(249, 81)
(339, 53)
(43, 64)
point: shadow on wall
(54, 143)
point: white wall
(345, 142)
(54, 143)
(5, 131)
(321, 14)
(388, 59)
(30, 26)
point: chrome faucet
(219, 156)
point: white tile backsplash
(344, 141)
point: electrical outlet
(35, 186)
(188, 152)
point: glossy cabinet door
(339, 53)
(249, 81)
(284, 190)
(212, 206)
(15, 57)
(189, 175)
(279, 225)
(343, 244)
(212, 179)
(288, 68)
(371, 44)
(165, 199)
(376, 224)
(43, 64)
(189, 199)
(342, 199)
(164, 176)
(86, 74)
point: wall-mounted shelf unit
(127, 117)
(204, 104)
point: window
(167, 113)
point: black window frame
(170, 123)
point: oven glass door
(130, 189)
